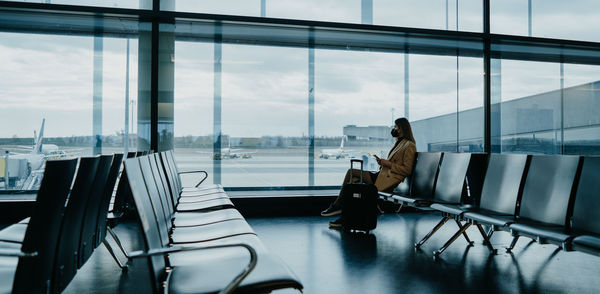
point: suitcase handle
(352, 161)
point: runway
(266, 168)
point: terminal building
(225, 129)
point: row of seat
(216, 250)
(42, 254)
(548, 198)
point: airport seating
(32, 272)
(83, 219)
(544, 207)
(82, 185)
(206, 267)
(585, 224)
(170, 165)
(121, 201)
(203, 230)
(448, 195)
(417, 190)
(106, 198)
(502, 185)
(67, 254)
(202, 198)
(87, 240)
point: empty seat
(448, 193)
(67, 253)
(36, 256)
(87, 241)
(210, 275)
(499, 195)
(585, 221)
(101, 222)
(164, 212)
(544, 206)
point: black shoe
(331, 211)
(336, 223)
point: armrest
(196, 172)
(16, 253)
(233, 284)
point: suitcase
(359, 204)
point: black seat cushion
(204, 187)
(542, 230)
(587, 243)
(203, 197)
(451, 208)
(416, 201)
(205, 205)
(211, 232)
(194, 258)
(490, 217)
(269, 274)
(191, 219)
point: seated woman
(393, 170)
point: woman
(393, 170)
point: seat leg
(449, 242)
(513, 243)
(460, 226)
(486, 239)
(114, 256)
(435, 229)
(490, 232)
(400, 207)
(117, 240)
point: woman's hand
(384, 163)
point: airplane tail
(37, 141)
(342, 144)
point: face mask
(394, 133)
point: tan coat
(402, 158)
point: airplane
(228, 153)
(35, 158)
(335, 153)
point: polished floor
(331, 261)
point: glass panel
(509, 17)
(581, 108)
(193, 119)
(66, 93)
(231, 7)
(357, 97)
(530, 107)
(470, 105)
(574, 20)
(136, 4)
(264, 108)
(433, 107)
(320, 10)
(264, 114)
(430, 14)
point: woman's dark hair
(404, 125)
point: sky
(265, 89)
